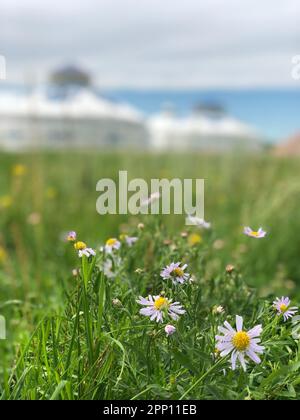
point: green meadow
(79, 335)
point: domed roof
(70, 76)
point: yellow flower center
(80, 246)
(161, 303)
(283, 307)
(178, 272)
(241, 340)
(111, 242)
(254, 233)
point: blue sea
(273, 112)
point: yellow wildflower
(19, 170)
(5, 201)
(79, 246)
(194, 239)
(3, 255)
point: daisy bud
(116, 302)
(170, 329)
(230, 268)
(218, 310)
(71, 236)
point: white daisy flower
(197, 221)
(170, 329)
(175, 272)
(282, 306)
(158, 306)
(260, 233)
(239, 343)
(88, 252)
(108, 268)
(112, 244)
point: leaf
(185, 361)
(58, 390)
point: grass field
(82, 336)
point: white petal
(255, 332)
(154, 316)
(229, 327)
(146, 311)
(227, 350)
(239, 323)
(225, 346)
(256, 348)
(173, 315)
(233, 359)
(225, 331)
(159, 317)
(253, 356)
(224, 338)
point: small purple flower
(170, 329)
(156, 307)
(175, 272)
(283, 308)
(254, 234)
(71, 236)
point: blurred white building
(207, 128)
(68, 113)
(79, 119)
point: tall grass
(66, 339)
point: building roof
(70, 75)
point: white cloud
(172, 43)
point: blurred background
(201, 89)
(208, 75)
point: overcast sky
(154, 43)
